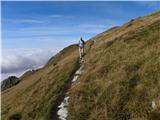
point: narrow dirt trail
(63, 107)
(60, 112)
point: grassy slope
(36, 94)
(122, 74)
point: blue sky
(58, 24)
(32, 32)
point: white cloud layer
(17, 61)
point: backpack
(83, 42)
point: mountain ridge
(115, 72)
(121, 81)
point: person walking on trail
(81, 47)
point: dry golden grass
(121, 77)
(36, 94)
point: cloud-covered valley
(17, 61)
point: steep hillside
(121, 79)
(38, 92)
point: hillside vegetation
(120, 81)
(38, 91)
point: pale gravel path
(63, 107)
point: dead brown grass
(38, 91)
(121, 77)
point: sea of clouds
(17, 61)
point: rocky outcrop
(9, 82)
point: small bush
(16, 116)
(109, 43)
(133, 81)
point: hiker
(81, 47)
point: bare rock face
(9, 82)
